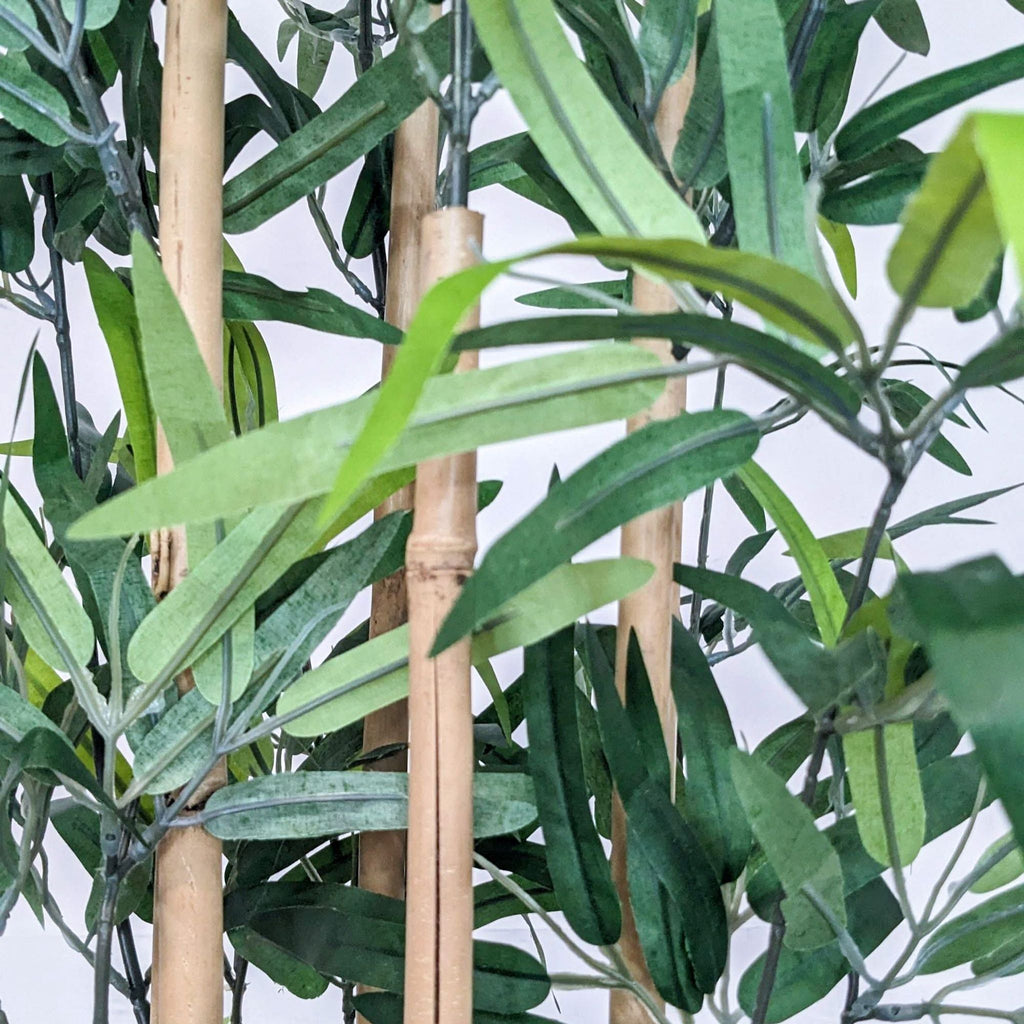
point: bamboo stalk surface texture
(439, 557)
(657, 538)
(188, 907)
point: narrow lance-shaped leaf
(894, 796)
(767, 184)
(950, 238)
(574, 126)
(576, 859)
(364, 116)
(115, 310)
(300, 804)
(375, 674)
(710, 801)
(801, 855)
(652, 467)
(827, 601)
(287, 462)
(884, 120)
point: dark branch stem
(241, 968)
(378, 257)
(62, 324)
(133, 972)
(461, 118)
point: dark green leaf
(975, 933)
(576, 859)
(887, 118)
(903, 22)
(998, 363)
(17, 226)
(650, 468)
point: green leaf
(946, 513)
(288, 461)
(217, 592)
(903, 22)
(877, 198)
(950, 238)
(23, 10)
(995, 364)
(971, 619)
(98, 13)
(987, 299)
(574, 126)
(804, 977)
(1000, 142)
(840, 242)
(767, 185)
(18, 717)
(17, 226)
(974, 934)
(665, 43)
(23, 97)
(888, 118)
(373, 675)
(354, 934)
(699, 157)
(652, 467)
(902, 801)
(571, 297)
(250, 297)
(579, 868)
(369, 111)
(115, 310)
(300, 804)
(771, 358)
(807, 669)
(280, 966)
(827, 601)
(802, 856)
(314, 54)
(710, 802)
(1010, 868)
(45, 609)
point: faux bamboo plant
(721, 217)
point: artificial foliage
(749, 223)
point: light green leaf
(98, 13)
(314, 54)
(115, 310)
(24, 96)
(9, 38)
(802, 856)
(840, 242)
(375, 674)
(902, 783)
(665, 43)
(767, 184)
(1010, 868)
(18, 718)
(301, 804)
(999, 139)
(40, 597)
(289, 461)
(574, 126)
(369, 111)
(652, 467)
(827, 601)
(950, 238)
(217, 592)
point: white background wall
(834, 486)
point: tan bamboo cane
(413, 186)
(657, 538)
(188, 949)
(439, 557)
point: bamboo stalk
(439, 557)
(188, 927)
(657, 538)
(414, 174)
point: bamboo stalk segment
(439, 557)
(413, 177)
(657, 538)
(188, 929)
